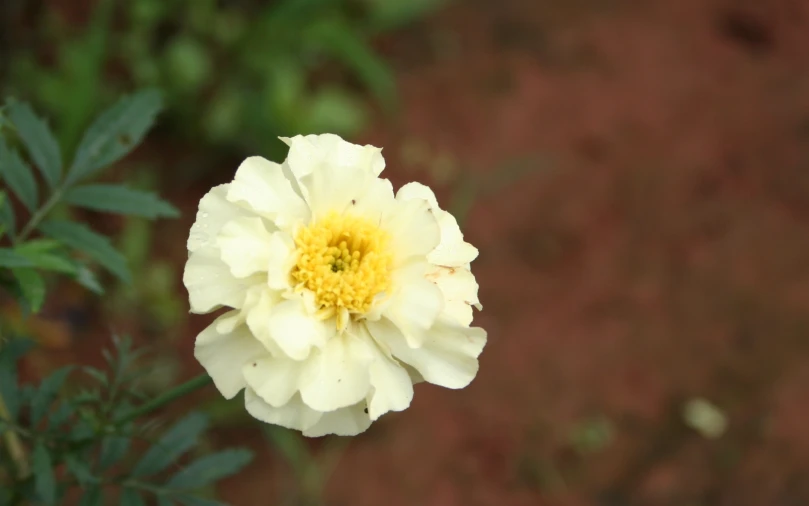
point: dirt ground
(642, 215)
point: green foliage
(64, 243)
(88, 431)
(235, 74)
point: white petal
(262, 185)
(274, 379)
(460, 291)
(223, 354)
(415, 304)
(392, 387)
(413, 229)
(377, 202)
(336, 376)
(295, 330)
(452, 250)
(293, 415)
(245, 246)
(448, 356)
(214, 212)
(211, 285)
(305, 149)
(348, 421)
(281, 260)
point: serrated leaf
(47, 392)
(44, 480)
(121, 200)
(131, 497)
(46, 258)
(174, 443)
(7, 218)
(113, 449)
(115, 133)
(10, 259)
(39, 141)
(18, 176)
(96, 246)
(80, 470)
(32, 286)
(10, 353)
(209, 469)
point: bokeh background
(635, 175)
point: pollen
(344, 260)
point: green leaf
(32, 286)
(96, 246)
(175, 442)
(38, 139)
(10, 258)
(121, 200)
(80, 470)
(11, 351)
(44, 480)
(18, 176)
(86, 278)
(45, 254)
(131, 497)
(115, 133)
(46, 393)
(7, 219)
(210, 469)
(113, 449)
(60, 415)
(92, 496)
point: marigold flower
(342, 295)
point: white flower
(342, 295)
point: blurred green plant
(88, 432)
(235, 74)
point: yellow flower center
(344, 261)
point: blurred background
(635, 175)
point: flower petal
(416, 303)
(413, 229)
(281, 249)
(295, 330)
(262, 185)
(245, 246)
(211, 285)
(336, 375)
(392, 387)
(452, 250)
(222, 355)
(460, 291)
(305, 151)
(293, 415)
(214, 212)
(275, 380)
(448, 356)
(348, 421)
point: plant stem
(161, 400)
(15, 448)
(40, 214)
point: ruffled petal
(448, 357)
(460, 290)
(295, 330)
(222, 354)
(211, 285)
(336, 375)
(214, 212)
(274, 379)
(261, 184)
(415, 304)
(392, 387)
(293, 415)
(413, 229)
(282, 258)
(452, 250)
(348, 421)
(245, 246)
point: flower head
(342, 295)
